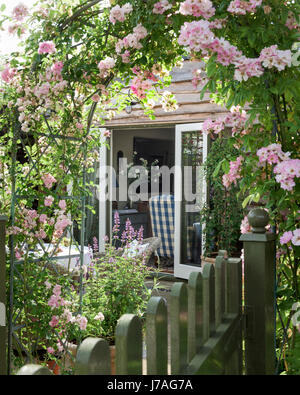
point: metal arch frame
(17, 134)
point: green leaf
(211, 69)
(225, 166)
(217, 169)
(247, 200)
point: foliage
(116, 284)
(223, 215)
(47, 313)
(56, 315)
(77, 65)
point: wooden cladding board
(190, 107)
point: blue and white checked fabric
(162, 210)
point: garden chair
(162, 212)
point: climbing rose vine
(82, 61)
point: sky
(8, 42)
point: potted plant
(115, 283)
(223, 212)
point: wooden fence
(208, 320)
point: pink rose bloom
(54, 321)
(48, 180)
(82, 321)
(99, 317)
(62, 222)
(245, 226)
(18, 254)
(57, 290)
(43, 218)
(286, 237)
(53, 301)
(96, 98)
(44, 89)
(57, 67)
(7, 74)
(41, 234)
(296, 237)
(46, 47)
(20, 12)
(125, 57)
(62, 205)
(50, 350)
(48, 201)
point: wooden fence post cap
(258, 219)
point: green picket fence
(204, 331)
(209, 320)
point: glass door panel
(190, 194)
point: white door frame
(184, 270)
(105, 206)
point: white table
(67, 257)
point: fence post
(259, 279)
(129, 345)
(157, 336)
(3, 334)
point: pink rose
(96, 98)
(50, 350)
(46, 47)
(82, 321)
(286, 237)
(54, 321)
(48, 180)
(99, 317)
(48, 201)
(7, 74)
(57, 290)
(20, 12)
(43, 218)
(57, 67)
(62, 205)
(296, 237)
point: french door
(190, 195)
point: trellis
(19, 194)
